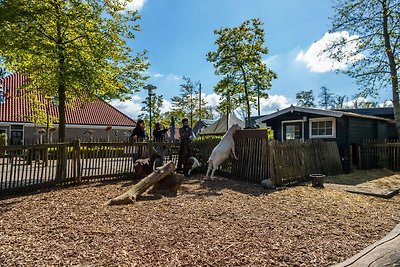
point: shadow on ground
(214, 187)
(359, 177)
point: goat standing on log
(221, 152)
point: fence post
(77, 160)
(151, 147)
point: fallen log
(136, 190)
(382, 253)
(169, 185)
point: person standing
(139, 135)
(159, 137)
(158, 133)
(185, 138)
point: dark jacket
(185, 134)
(139, 133)
(158, 134)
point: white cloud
(271, 60)
(173, 77)
(167, 106)
(272, 104)
(133, 5)
(212, 99)
(269, 105)
(132, 108)
(158, 75)
(318, 60)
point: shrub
(3, 142)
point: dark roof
(17, 108)
(202, 124)
(385, 112)
(253, 120)
(208, 122)
(330, 113)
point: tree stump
(136, 190)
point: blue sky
(179, 33)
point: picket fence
(380, 154)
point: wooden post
(359, 157)
(77, 160)
(350, 159)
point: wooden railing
(380, 154)
(33, 166)
(29, 167)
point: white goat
(221, 152)
(194, 163)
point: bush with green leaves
(3, 139)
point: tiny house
(348, 129)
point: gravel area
(209, 223)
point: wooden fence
(380, 154)
(30, 167)
(284, 162)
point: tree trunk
(246, 95)
(168, 185)
(135, 191)
(393, 67)
(62, 155)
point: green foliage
(270, 134)
(88, 152)
(305, 99)
(156, 114)
(3, 139)
(40, 114)
(188, 104)
(327, 99)
(340, 101)
(73, 49)
(238, 59)
(205, 138)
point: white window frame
(332, 119)
(302, 128)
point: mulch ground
(210, 223)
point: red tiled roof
(17, 108)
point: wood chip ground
(210, 223)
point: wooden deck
(385, 252)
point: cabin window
(323, 128)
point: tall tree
(156, 105)
(339, 101)
(225, 88)
(375, 26)
(326, 98)
(73, 49)
(201, 109)
(305, 99)
(188, 104)
(238, 59)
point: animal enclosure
(374, 154)
(36, 166)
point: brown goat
(144, 167)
